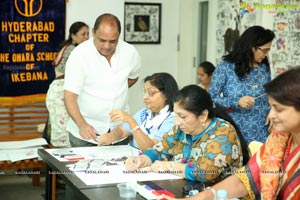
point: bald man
(98, 75)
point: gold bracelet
(145, 164)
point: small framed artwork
(142, 23)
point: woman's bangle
(145, 164)
(172, 166)
(213, 191)
(134, 129)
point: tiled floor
(19, 187)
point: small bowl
(126, 191)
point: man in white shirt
(98, 74)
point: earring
(73, 42)
(203, 126)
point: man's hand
(87, 132)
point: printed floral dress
(58, 114)
(210, 156)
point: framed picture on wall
(142, 23)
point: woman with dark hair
(237, 83)
(78, 33)
(149, 124)
(273, 172)
(203, 147)
(204, 73)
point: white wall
(211, 43)
(88, 10)
(158, 57)
(187, 34)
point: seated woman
(203, 147)
(149, 124)
(273, 172)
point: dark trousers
(76, 142)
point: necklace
(253, 83)
(288, 148)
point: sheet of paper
(23, 143)
(104, 152)
(19, 154)
(119, 174)
(113, 171)
(3, 155)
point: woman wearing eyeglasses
(238, 80)
(150, 123)
(205, 146)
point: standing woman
(78, 33)
(58, 116)
(238, 80)
(204, 73)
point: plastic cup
(126, 191)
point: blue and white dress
(226, 89)
(153, 126)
